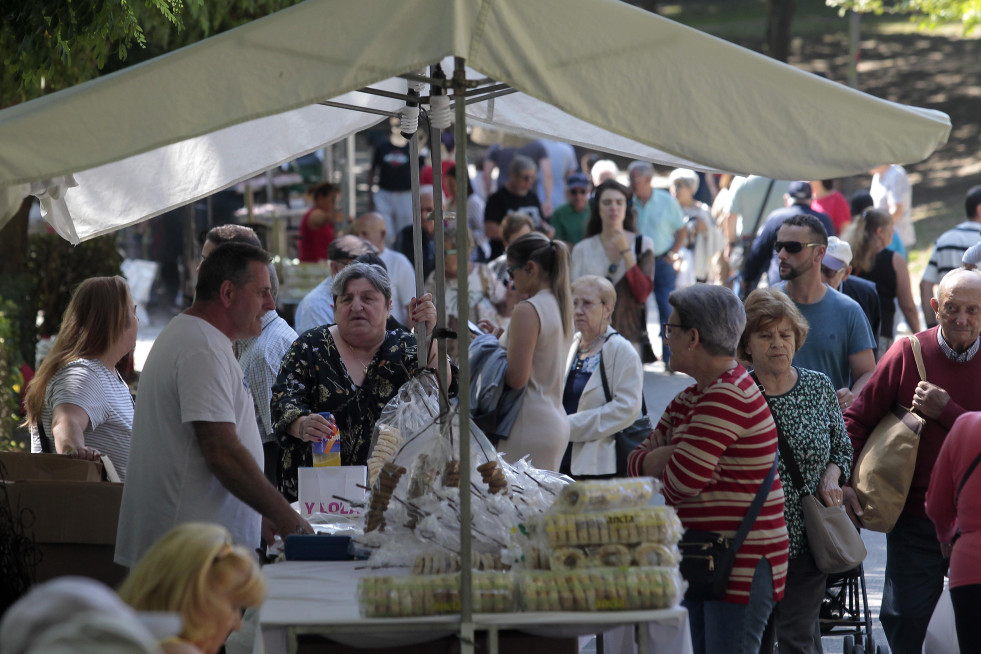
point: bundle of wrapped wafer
(387, 444)
(657, 524)
(609, 556)
(600, 589)
(451, 475)
(381, 495)
(493, 476)
(416, 595)
(430, 563)
(605, 495)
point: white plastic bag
(941, 635)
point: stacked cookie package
(417, 595)
(602, 547)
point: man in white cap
(836, 271)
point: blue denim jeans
(914, 580)
(664, 282)
(727, 628)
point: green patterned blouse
(809, 417)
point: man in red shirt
(915, 564)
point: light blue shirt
(659, 218)
(316, 308)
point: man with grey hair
(659, 217)
(516, 195)
(317, 307)
(404, 242)
(371, 227)
(261, 355)
(196, 453)
(916, 560)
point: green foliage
(929, 13)
(12, 437)
(66, 43)
(57, 267)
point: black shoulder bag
(627, 439)
(708, 556)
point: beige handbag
(884, 470)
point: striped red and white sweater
(728, 424)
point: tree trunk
(13, 241)
(779, 16)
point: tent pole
(422, 344)
(463, 313)
(439, 275)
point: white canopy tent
(128, 146)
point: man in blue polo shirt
(659, 217)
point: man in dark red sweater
(915, 565)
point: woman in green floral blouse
(805, 408)
(351, 368)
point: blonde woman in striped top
(77, 397)
(712, 449)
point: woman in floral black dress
(805, 408)
(351, 368)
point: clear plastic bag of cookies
(658, 524)
(606, 495)
(419, 595)
(600, 589)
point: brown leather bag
(884, 469)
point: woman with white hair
(604, 382)
(705, 239)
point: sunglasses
(792, 247)
(578, 191)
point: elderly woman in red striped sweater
(713, 449)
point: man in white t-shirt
(196, 454)
(891, 191)
(371, 227)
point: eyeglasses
(510, 270)
(578, 191)
(669, 326)
(792, 247)
(528, 178)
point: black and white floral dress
(313, 378)
(809, 417)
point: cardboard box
(69, 512)
(23, 466)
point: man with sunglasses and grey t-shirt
(840, 342)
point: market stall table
(321, 598)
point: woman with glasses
(479, 249)
(713, 450)
(869, 236)
(594, 419)
(613, 249)
(805, 408)
(705, 239)
(485, 291)
(537, 342)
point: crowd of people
(566, 290)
